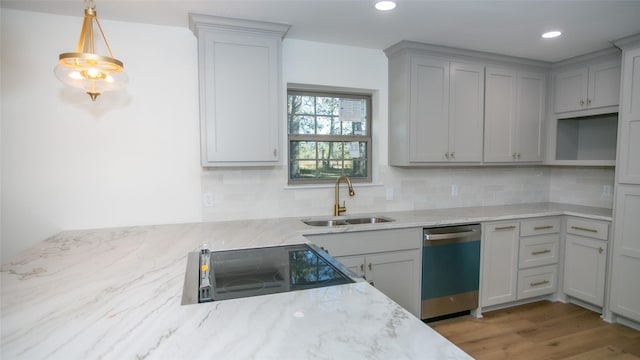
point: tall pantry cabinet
(625, 292)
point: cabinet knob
(600, 250)
(581, 102)
(446, 155)
(588, 101)
(518, 155)
(370, 267)
(362, 268)
(453, 155)
(514, 155)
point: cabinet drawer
(537, 281)
(540, 226)
(588, 228)
(539, 250)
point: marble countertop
(115, 293)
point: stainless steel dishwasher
(450, 270)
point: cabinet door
(429, 136)
(570, 90)
(628, 165)
(397, 275)
(584, 268)
(625, 292)
(604, 84)
(529, 116)
(354, 263)
(240, 99)
(499, 263)
(466, 112)
(500, 114)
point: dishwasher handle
(459, 234)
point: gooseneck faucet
(337, 209)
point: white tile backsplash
(263, 193)
(582, 186)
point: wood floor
(542, 330)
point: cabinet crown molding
(198, 21)
(629, 41)
(612, 52)
(462, 54)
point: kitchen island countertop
(115, 293)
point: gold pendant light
(87, 70)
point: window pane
(323, 150)
(303, 150)
(359, 167)
(336, 150)
(328, 106)
(324, 125)
(298, 104)
(303, 169)
(301, 125)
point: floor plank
(541, 330)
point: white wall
(129, 158)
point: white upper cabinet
(429, 114)
(239, 65)
(514, 115)
(436, 110)
(466, 112)
(587, 86)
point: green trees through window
(329, 135)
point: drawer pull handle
(584, 229)
(370, 268)
(539, 283)
(362, 268)
(505, 228)
(540, 252)
(543, 227)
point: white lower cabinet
(389, 259)
(392, 273)
(585, 263)
(519, 260)
(499, 263)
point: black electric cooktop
(222, 275)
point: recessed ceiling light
(385, 5)
(551, 34)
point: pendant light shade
(87, 70)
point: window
(329, 136)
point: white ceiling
(509, 27)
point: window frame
(336, 93)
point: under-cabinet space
(590, 138)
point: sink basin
(324, 222)
(347, 221)
(369, 220)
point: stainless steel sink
(369, 220)
(324, 222)
(347, 221)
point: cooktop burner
(221, 275)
